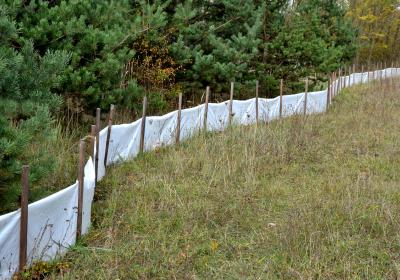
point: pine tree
(216, 41)
(99, 35)
(26, 100)
(315, 38)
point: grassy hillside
(302, 198)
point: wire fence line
(46, 228)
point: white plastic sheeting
(52, 220)
(51, 225)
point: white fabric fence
(53, 220)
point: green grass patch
(302, 198)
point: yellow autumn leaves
(378, 23)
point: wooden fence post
(231, 104)
(337, 82)
(143, 127)
(334, 84)
(371, 69)
(257, 85)
(110, 123)
(23, 231)
(375, 75)
(92, 141)
(206, 109)
(349, 83)
(332, 90)
(380, 72)
(362, 74)
(378, 67)
(385, 67)
(337, 78)
(328, 94)
(80, 188)
(96, 168)
(370, 73)
(305, 97)
(178, 121)
(354, 74)
(391, 77)
(384, 76)
(281, 99)
(343, 78)
(340, 80)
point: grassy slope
(298, 199)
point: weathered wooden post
(257, 85)
(371, 69)
(305, 97)
(80, 188)
(337, 82)
(231, 104)
(362, 74)
(281, 99)
(178, 121)
(392, 76)
(341, 79)
(344, 78)
(374, 68)
(384, 74)
(349, 83)
(206, 109)
(328, 94)
(23, 231)
(96, 168)
(385, 67)
(92, 141)
(143, 126)
(333, 85)
(110, 123)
